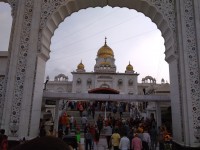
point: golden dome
(105, 51)
(80, 66)
(129, 67)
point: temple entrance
(33, 26)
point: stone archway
(33, 26)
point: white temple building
(104, 79)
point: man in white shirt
(124, 143)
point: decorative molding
(167, 8)
(48, 8)
(13, 4)
(193, 66)
(21, 69)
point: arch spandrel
(13, 4)
(54, 12)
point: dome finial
(129, 67)
(105, 40)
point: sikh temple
(105, 80)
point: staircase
(77, 117)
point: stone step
(77, 117)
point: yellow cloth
(115, 139)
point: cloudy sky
(132, 37)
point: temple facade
(105, 80)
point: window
(130, 82)
(120, 82)
(89, 81)
(78, 81)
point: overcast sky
(132, 37)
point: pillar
(24, 89)
(158, 114)
(185, 104)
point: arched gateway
(34, 22)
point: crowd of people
(134, 132)
(121, 133)
(138, 134)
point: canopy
(103, 91)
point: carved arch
(51, 18)
(12, 4)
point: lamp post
(45, 84)
(105, 109)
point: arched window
(120, 82)
(78, 81)
(130, 82)
(89, 81)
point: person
(84, 121)
(2, 133)
(100, 123)
(78, 135)
(161, 132)
(120, 110)
(92, 131)
(93, 110)
(146, 142)
(124, 142)
(88, 140)
(108, 133)
(42, 131)
(153, 135)
(130, 136)
(64, 121)
(4, 143)
(114, 110)
(136, 142)
(71, 122)
(96, 137)
(80, 107)
(41, 143)
(47, 126)
(115, 139)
